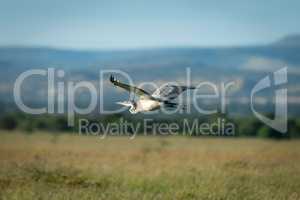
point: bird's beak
(125, 103)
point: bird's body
(144, 105)
(149, 102)
(141, 105)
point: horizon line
(52, 47)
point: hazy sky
(138, 23)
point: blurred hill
(245, 65)
(290, 40)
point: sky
(125, 24)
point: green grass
(43, 166)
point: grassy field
(43, 166)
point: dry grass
(43, 166)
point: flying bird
(149, 102)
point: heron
(161, 97)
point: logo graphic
(279, 122)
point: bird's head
(130, 104)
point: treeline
(244, 126)
(29, 123)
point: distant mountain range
(290, 40)
(245, 65)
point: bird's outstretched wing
(169, 92)
(140, 92)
